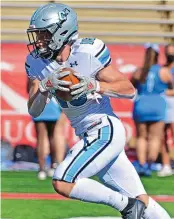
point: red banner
(16, 124)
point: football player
(53, 44)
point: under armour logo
(73, 64)
(70, 151)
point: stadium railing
(156, 23)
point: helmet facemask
(39, 41)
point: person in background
(50, 126)
(166, 169)
(149, 108)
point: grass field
(26, 182)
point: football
(66, 96)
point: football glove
(85, 86)
(52, 82)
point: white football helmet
(57, 23)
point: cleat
(134, 209)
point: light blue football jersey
(87, 57)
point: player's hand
(85, 86)
(52, 82)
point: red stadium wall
(16, 124)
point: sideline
(53, 196)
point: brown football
(66, 96)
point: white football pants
(101, 153)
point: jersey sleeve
(28, 67)
(99, 54)
(100, 58)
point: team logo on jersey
(73, 64)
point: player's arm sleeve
(28, 68)
(100, 57)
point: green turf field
(26, 182)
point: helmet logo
(63, 14)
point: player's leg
(141, 144)
(59, 139)
(70, 178)
(50, 129)
(57, 142)
(120, 175)
(155, 211)
(155, 138)
(165, 154)
(42, 147)
(141, 149)
(86, 159)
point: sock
(89, 190)
(155, 211)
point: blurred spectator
(6, 151)
(50, 126)
(166, 169)
(149, 108)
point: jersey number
(79, 102)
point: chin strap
(55, 54)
